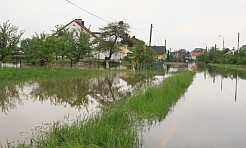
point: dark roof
(159, 49)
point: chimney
(80, 21)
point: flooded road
(210, 114)
(26, 107)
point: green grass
(11, 75)
(229, 66)
(175, 63)
(117, 125)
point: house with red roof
(195, 54)
(79, 24)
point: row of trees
(225, 56)
(72, 45)
(63, 44)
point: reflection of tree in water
(9, 97)
(76, 92)
(69, 91)
(107, 89)
(225, 73)
(140, 81)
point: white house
(77, 25)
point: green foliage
(9, 75)
(230, 66)
(141, 53)
(118, 125)
(83, 47)
(112, 36)
(225, 56)
(9, 39)
(74, 45)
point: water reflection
(25, 105)
(224, 74)
(210, 114)
(10, 97)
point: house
(195, 54)
(78, 24)
(231, 52)
(160, 51)
(177, 56)
(187, 57)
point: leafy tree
(43, 47)
(9, 39)
(26, 48)
(112, 36)
(83, 48)
(140, 53)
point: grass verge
(117, 124)
(175, 63)
(228, 66)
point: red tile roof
(195, 53)
(81, 25)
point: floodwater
(211, 114)
(26, 108)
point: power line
(87, 11)
(158, 38)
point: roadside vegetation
(118, 124)
(229, 66)
(175, 63)
(225, 56)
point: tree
(9, 39)
(141, 53)
(43, 47)
(112, 35)
(82, 49)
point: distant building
(195, 54)
(160, 51)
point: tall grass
(116, 126)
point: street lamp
(223, 41)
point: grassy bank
(8, 75)
(175, 63)
(233, 67)
(117, 124)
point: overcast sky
(186, 24)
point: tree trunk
(62, 61)
(111, 50)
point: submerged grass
(9, 75)
(116, 125)
(229, 66)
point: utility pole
(238, 37)
(165, 50)
(215, 52)
(223, 42)
(151, 26)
